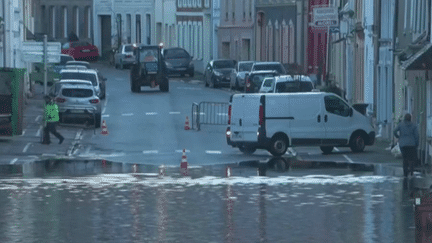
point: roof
(73, 80)
(78, 71)
(421, 60)
(267, 63)
(81, 86)
(263, 72)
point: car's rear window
(77, 93)
(258, 78)
(176, 53)
(128, 48)
(293, 86)
(275, 67)
(82, 76)
(79, 43)
(245, 67)
(223, 64)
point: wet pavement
(261, 201)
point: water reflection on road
(323, 205)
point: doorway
(105, 37)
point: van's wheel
(278, 146)
(247, 150)
(326, 149)
(191, 73)
(357, 143)
(164, 87)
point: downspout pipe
(4, 32)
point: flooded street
(298, 205)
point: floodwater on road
(320, 204)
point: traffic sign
(38, 57)
(54, 47)
(325, 17)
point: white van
(276, 121)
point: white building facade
(123, 21)
(165, 18)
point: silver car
(124, 56)
(55, 89)
(79, 101)
(238, 78)
(84, 74)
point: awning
(422, 60)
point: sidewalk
(27, 147)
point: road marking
(38, 117)
(49, 155)
(181, 151)
(151, 113)
(189, 88)
(23, 132)
(106, 100)
(222, 114)
(150, 152)
(103, 110)
(78, 135)
(174, 112)
(119, 78)
(26, 147)
(127, 114)
(105, 115)
(39, 131)
(87, 150)
(13, 161)
(213, 152)
(344, 155)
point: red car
(81, 50)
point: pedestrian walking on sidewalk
(407, 133)
(51, 116)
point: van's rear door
(244, 117)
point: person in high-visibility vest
(51, 116)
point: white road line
(345, 156)
(151, 113)
(23, 132)
(222, 114)
(150, 151)
(181, 151)
(39, 131)
(48, 154)
(13, 161)
(103, 110)
(88, 150)
(106, 100)
(127, 114)
(213, 152)
(38, 117)
(26, 147)
(105, 115)
(78, 135)
(174, 112)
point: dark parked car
(255, 78)
(178, 61)
(81, 50)
(218, 72)
(264, 66)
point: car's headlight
(169, 65)
(217, 73)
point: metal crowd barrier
(209, 113)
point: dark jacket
(408, 134)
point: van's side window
(336, 106)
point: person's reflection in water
(262, 216)
(279, 164)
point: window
(199, 3)
(76, 20)
(148, 32)
(138, 28)
(244, 9)
(129, 28)
(53, 18)
(65, 22)
(226, 8)
(200, 40)
(89, 22)
(336, 106)
(180, 3)
(77, 93)
(207, 3)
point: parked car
(178, 61)
(87, 74)
(81, 50)
(218, 72)
(276, 66)
(291, 84)
(53, 70)
(79, 63)
(79, 101)
(254, 80)
(238, 78)
(53, 92)
(278, 121)
(124, 56)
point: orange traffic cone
(187, 127)
(184, 163)
(104, 128)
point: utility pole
(3, 22)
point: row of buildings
(380, 52)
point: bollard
(161, 171)
(134, 168)
(228, 172)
